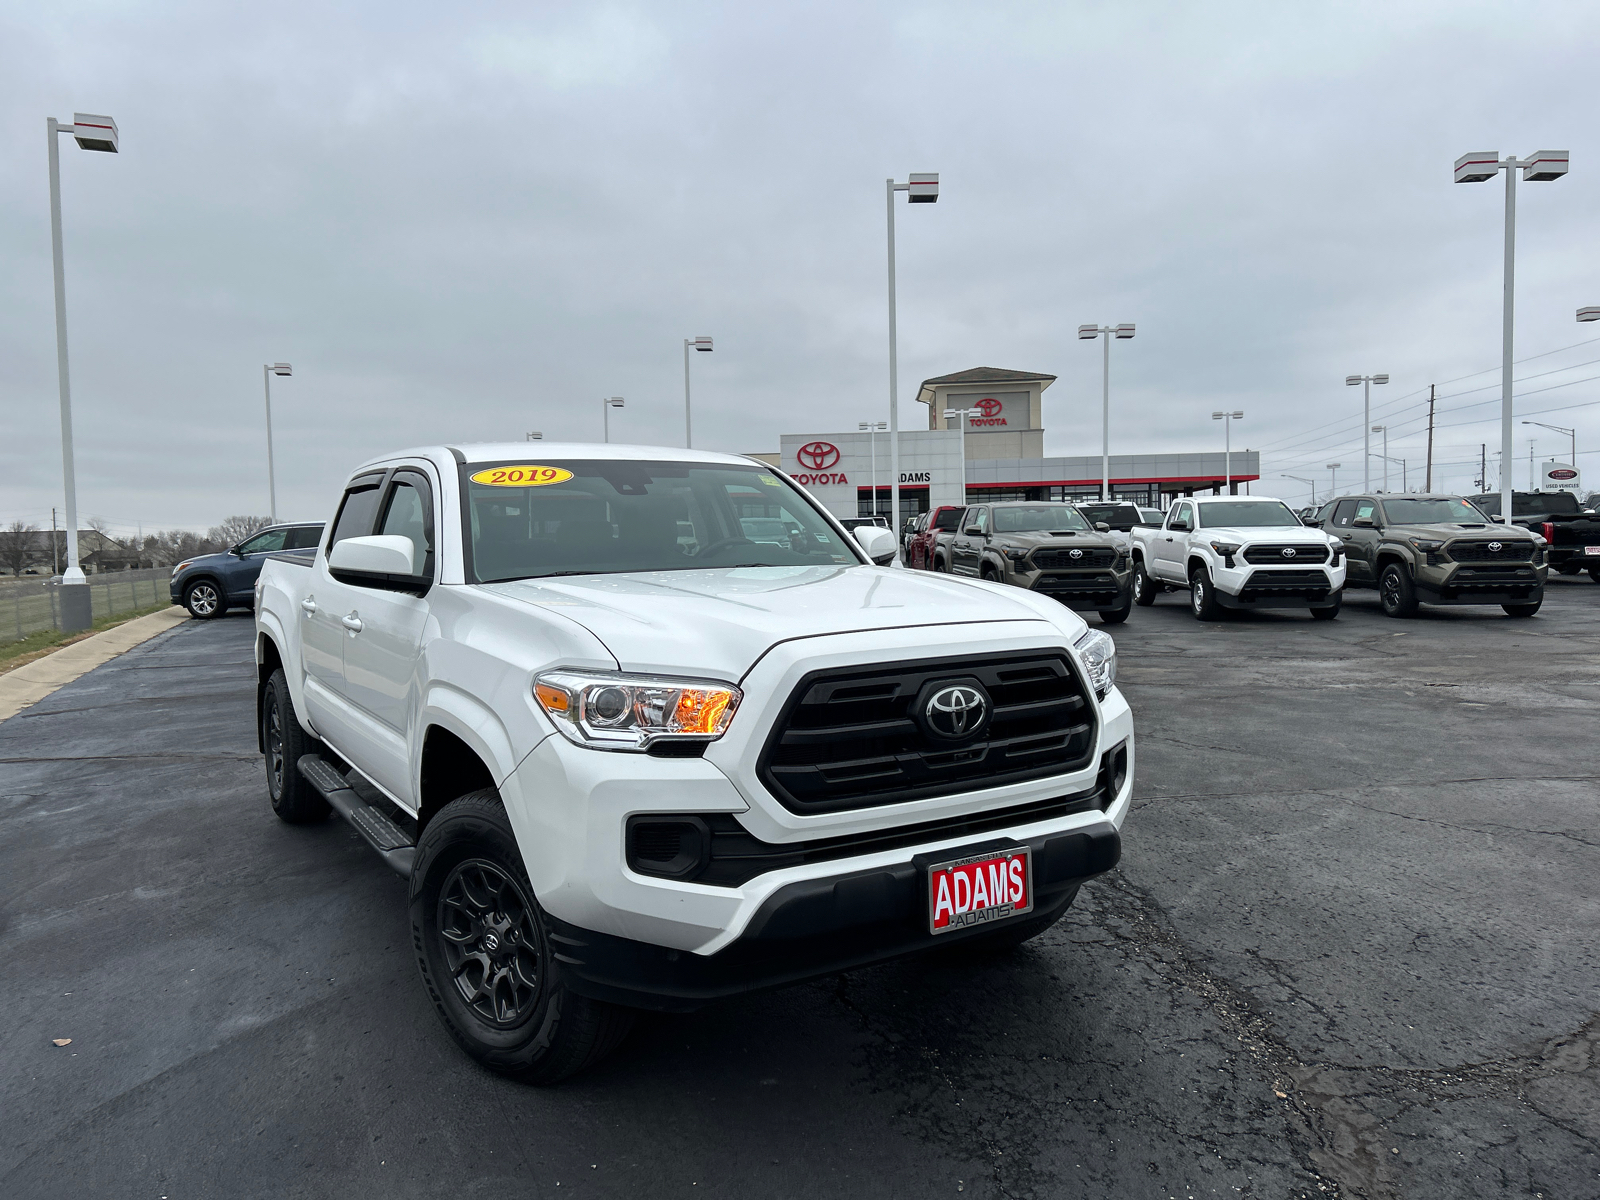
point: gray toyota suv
(1048, 548)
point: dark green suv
(1436, 549)
(1048, 548)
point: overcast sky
(467, 223)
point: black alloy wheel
(203, 599)
(283, 741)
(482, 945)
(1396, 592)
(491, 942)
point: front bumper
(1470, 583)
(1250, 586)
(817, 927)
(1085, 589)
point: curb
(32, 682)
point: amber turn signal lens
(553, 698)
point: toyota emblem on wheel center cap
(956, 711)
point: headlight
(1099, 654)
(1426, 545)
(1225, 548)
(1016, 556)
(180, 567)
(607, 711)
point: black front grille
(1312, 578)
(1518, 551)
(848, 738)
(1261, 555)
(1056, 560)
(1097, 581)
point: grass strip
(36, 645)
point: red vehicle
(929, 549)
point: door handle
(308, 606)
(1169, 539)
(351, 622)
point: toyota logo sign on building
(991, 410)
(817, 456)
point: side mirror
(972, 531)
(383, 562)
(1500, 520)
(1311, 520)
(1178, 527)
(236, 552)
(1102, 527)
(879, 543)
(1364, 523)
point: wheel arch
(463, 747)
(269, 658)
(1195, 559)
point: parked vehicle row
(212, 583)
(1571, 531)
(644, 728)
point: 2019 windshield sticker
(522, 476)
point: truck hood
(1484, 532)
(719, 622)
(1283, 535)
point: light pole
(607, 403)
(268, 370)
(1311, 483)
(872, 429)
(1571, 433)
(91, 133)
(921, 187)
(1366, 439)
(963, 413)
(1227, 419)
(1475, 168)
(1089, 333)
(535, 436)
(702, 344)
(1404, 484)
(1384, 429)
(1333, 479)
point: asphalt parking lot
(1353, 949)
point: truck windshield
(1531, 504)
(1450, 511)
(570, 517)
(1038, 518)
(1250, 514)
(1118, 516)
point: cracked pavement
(1351, 951)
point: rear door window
(304, 537)
(1342, 513)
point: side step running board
(393, 846)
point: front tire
(1202, 596)
(293, 798)
(483, 948)
(1522, 610)
(1594, 574)
(1116, 616)
(1144, 588)
(204, 600)
(1328, 612)
(1396, 592)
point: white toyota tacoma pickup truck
(647, 727)
(1238, 552)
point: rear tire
(1522, 610)
(483, 948)
(939, 567)
(1202, 596)
(293, 798)
(1144, 588)
(1396, 592)
(204, 600)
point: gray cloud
(468, 225)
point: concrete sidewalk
(32, 682)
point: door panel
(322, 630)
(1169, 545)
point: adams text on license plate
(979, 889)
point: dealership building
(1004, 456)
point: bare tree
(234, 530)
(18, 544)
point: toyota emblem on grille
(1288, 551)
(1494, 547)
(955, 711)
(1075, 553)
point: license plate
(974, 891)
(1587, 550)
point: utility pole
(1483, 466)
(1428, 486)
(55, 549)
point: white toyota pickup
(647, 727)
(1238, 552)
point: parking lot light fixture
(921, 187)
(1366, 439)
(1590, 312)
(1227, 419)
(1571, 433)
(91, 133)
(534, 436)
(872, 429)
(607, 403)
(1311, 483)
(1089, 333)
(702, 344)
(1333, 479)
(963, 414)
(268, 370)
(1478, 167)
(1384, 429)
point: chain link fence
(29, 606)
